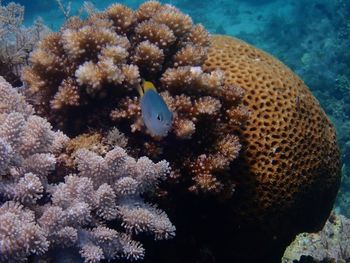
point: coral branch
(106, 56)
(70, 215)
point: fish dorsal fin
(147, 85)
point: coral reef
(27, 144)
(16, 41)
(73, 69)
(27, 148)
(106, 189)
(289, 162)
(331, 244)
(289, 143)
(309, 22)
(86, 77)
(97, 211)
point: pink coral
(20, 236)
(41, 216)
(27, 146)
(107, 188)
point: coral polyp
(87, 75)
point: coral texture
(290, 145)
(19, 234)
(16, 41)
(95, 62)
(27, 144)
(290, 159)
(37, 217)
(331, 244)
(106, 189)
(286, 176)
(87, 76)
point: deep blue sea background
(310, 36)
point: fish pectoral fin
(140, 90)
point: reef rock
(331, 244)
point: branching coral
(37, 216)
(27, 146)
(106, 189)
(98, 61)
(19, 234)
(207, 115)
(87, 76)
(16, 41)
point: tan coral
(92, 142)
(190, 56)
(204, 133)
(195, 79)
(198, 35)
(148, 57)
(178, 22)
(87, 78)
(290, 160)
(123, 17)
(127, 109)
(118, 54)
(67, 95)
(158, 34)
(286, 176)
(147, 10)
(131, 76)
(184, 128)
(87, 41)
(78, 75)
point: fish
(155, 113)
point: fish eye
(159, 117)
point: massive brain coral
(288, 172)
(286, 176)
(86, 77)
(289, 142)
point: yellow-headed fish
(155, 113)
